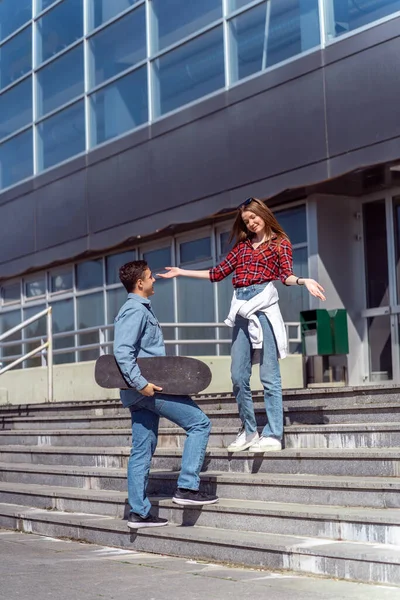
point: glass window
(16, 108)
(16, 159)
(35, 329)
(11, 293)
(195, 303)
(120, 107)
(195, 250)
(13, 14)
(118, 47)
(62, 135)
(177, 19)
(59, 28)
(101, 11)
(61, 281)
(272, 32)
(376, 254)
(8, 320)
(60, 81)
(113, 264)
(158, 259)
(348, 15)
(35, 287)
(63, 320)
(89, 274)
(43, 4)
(225, 244)
(90, 313)
(191, 71)
(236, 4)
(380, 349)
(294, 223)
(16, 57)
(115, 299)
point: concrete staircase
(329, 504)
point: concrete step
(363, 462)
(373, 525)
(377, 492)
(372, 563)
(379, 435)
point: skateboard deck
(177, 375)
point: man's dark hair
(131, 272)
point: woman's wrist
(300, 281)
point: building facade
(133, 128)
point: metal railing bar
(25, 357)
(25, 323)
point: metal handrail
(48, 346)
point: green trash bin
(324, 332)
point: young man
(138, 334)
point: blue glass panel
(101, 11)
(16, 108)
(236, 4)
(196, 250)
(60, 81)
(59, 28)
(16, 57)
(273, 32)
(43, 4)
(351, 14)
(158, 259)
(176, 19)
(63, 320)
(89, 274)
(294, 223)
(191, 71)
(118, 47)
(16, 159)
(62, 135)
(120, 107)
(113, 264)
(14, 14)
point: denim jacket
(137, 333)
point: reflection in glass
(35, 329)
(89, 274)
(60, 81)
(8, 320)
(195, 250)
(16, 57)
(101, 11)
(376, 256)
(16, 108)
(62, 136)
(115, 299)
(118, 47)
(351, 14)
(158, 259)
(43, 4)
(16, 159)
(380, 349)
(59, 28)
(113, 264)
(63, 320)
(294, 223)
(90, 313)
(177, 19)
(61, 281)
(273, 32)
(195, 304)
(120, 107)
(191, 71)
(35, 287)
(13, 14)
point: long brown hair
(240, 233)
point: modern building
(133, 128)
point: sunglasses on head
(245, 203)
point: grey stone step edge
(354, 561)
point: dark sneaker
(194, 498)
(137, 522)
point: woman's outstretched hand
(314, 288)
(171, 272)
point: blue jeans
(269, 371)
(145, 416)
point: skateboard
(177, 375)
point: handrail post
(49, 320)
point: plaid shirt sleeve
(285, 260)
(226, 267)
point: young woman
(262, 253)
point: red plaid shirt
(265, 263)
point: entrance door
(381, 223)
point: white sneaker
(266, 444)
(243, 441)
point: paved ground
(34, 567)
